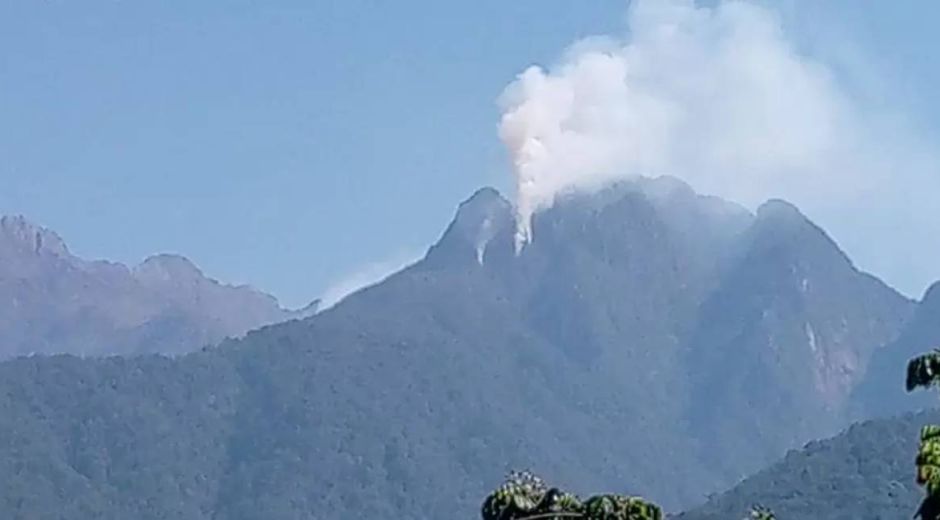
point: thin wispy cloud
(367, 275)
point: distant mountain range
(648, 340)
(864, 473)
(53, 302)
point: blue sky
(291, 144)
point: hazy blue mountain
(54, 302)
(784, 340)
(610, 353)
(864, 473)
(882, 392)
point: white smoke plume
(365, 276)
(719, 97)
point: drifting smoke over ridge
(719, 97)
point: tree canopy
(525, 496)
(922, 372)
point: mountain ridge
(52, 301)
(581, 356)
(866, 471)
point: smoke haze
(721, 98)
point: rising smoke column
(555, 130)
(716, 96)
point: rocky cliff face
(54, 302)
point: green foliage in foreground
(928, 471)
(762, 513)
(526, 497)
(924, 371)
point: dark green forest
(875, 470)
(634, 350)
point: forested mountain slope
(864, 473)
(611, 352)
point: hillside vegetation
(649, 341)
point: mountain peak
(665, 186)
(478, 221)
(60, 303)
(18, 232)
(780, 222)
(780, 209)
(166, 267)
(486, 201)
(931, 298)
